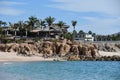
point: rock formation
(71, 49)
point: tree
(0, 23)
(21, 27)
(74, 24)
(0, 27)
(15, 27)
(61, 24)
(40, 23)
(4, 24)
(81, 32)
(74, 33)
(108, 37)
(68, 35)
(49, 20)
(89, 32)
(26, 28)
(94, 35)
(31, 22)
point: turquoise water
(64, 70)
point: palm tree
(15, 27)
(74, 24)
(20, 27)
(90, 32)
(40, 23)
(0, 28)
(49, 20)
(4, 24)
(81, 33)
(31, 22)
(61, 23)
(1, 23)
(25, 27)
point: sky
(99, 16)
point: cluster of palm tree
(32, 23)
(113, 37)
(2, 23)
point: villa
(54, 32)
(89, 37)
(42, 32)
(84, 37)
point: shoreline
(103, 53)
(13, 57)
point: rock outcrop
(108, 46)
(51, 48)
(73, 50)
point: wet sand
(12, 56)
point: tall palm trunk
(26, 33)
(15, 33)
(49, 31)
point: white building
(86, 37)
(89, 37)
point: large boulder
(84, 50)
(74, 49)
(80, 49)
(91, 50)
(2, 47)
(61, 50)
(15, 47)
(11, 47)
(47, 49)
(47, 52)
(66, 48)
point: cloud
(97, 6)
(104, 21)
(10, 3)
(100, 25)
(10, 8)
(10, 11)
(101, 16)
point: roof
(35, 30)
(53, 28)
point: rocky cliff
(108, 46)
(73, 50)
(51, 48)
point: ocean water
(61, 70)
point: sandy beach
(102, 53)
(11, 56)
